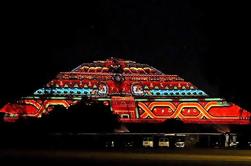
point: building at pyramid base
(138, 93)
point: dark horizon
(204, 43)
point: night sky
(206, 43)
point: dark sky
(206, 43)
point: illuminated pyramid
(136, 92)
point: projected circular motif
(137, 89)
(102, 89)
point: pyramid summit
(138, 93)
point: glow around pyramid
(138, 93)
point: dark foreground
(130, 157)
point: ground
(155, 157)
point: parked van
(148, 142)
(164, 142)
(180, 142)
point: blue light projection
(64, 91)
(177, 93)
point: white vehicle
(148, 142)
(163, 142)
(180, 143)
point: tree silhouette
(173, 125)
(85, 116)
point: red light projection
(138, 93)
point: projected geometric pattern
(137, 92)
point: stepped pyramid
(137, 92)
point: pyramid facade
(137, 92)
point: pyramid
(128, 87)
